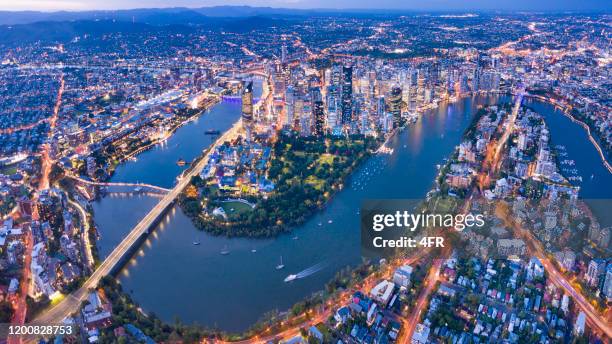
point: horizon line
(317, 9)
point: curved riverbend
(174, 278)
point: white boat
(137, 189)
(253, 250)
(330, 221)
(280, 265)
(290, 278)
(225, 251)
(196, 242)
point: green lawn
(233, 208)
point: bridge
(124, 250)
(134, 185)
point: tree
(6, 312)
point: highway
(595, 320)
(72, 302)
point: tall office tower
(332, 111)
(463, 84)
(284, 54)
(476, 80)
(298, 110)
(395, 106)
(318, 113)
(306, 118)
(347, 94)
(336, 76)
(449, 83)
(247, 108)
(380, 107)
(420, 87)
(319, 118)
(364, 121)
(289, 107)
(406, 91)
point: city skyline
(226, 167)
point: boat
(225, 251)
(280, 265)
(295, 237)
(196, 242)
(253, 250)
(181, 162)
(137, 189)
(290, 278)
(212, 132)
(329, 221)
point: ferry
(212, 132)
(290, 278)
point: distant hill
(153, 16)
(180, 21)
(162, 16)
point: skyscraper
(347, 94)
(247, 108)
(318, 113)
(319, 118)
(284, 54)
(395, 106)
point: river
(173, 278)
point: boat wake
(306, 272)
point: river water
(175, 279)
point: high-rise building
(284, 54)
(607, 287)
(595, 271)
(476, 80)
(247, 108)
(319, 118)
(318, 113)
(395, 106)
(420, 87)
(347, 94)
(289, 107)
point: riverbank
(405, 173)
(567, 113)
(304, 174)
(111, 158)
